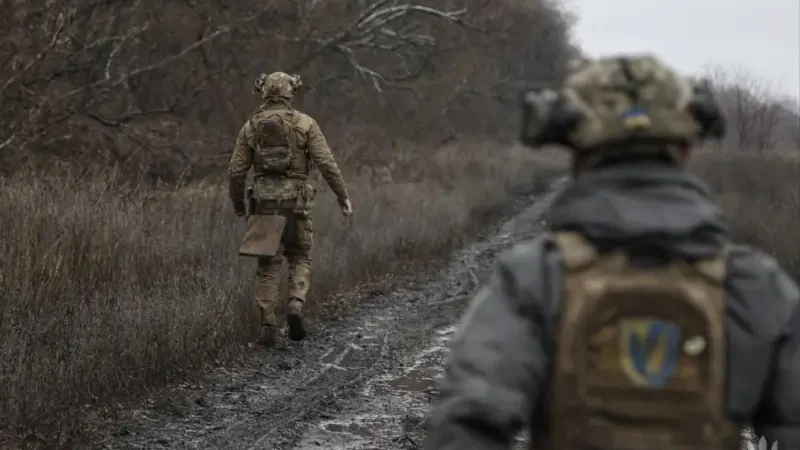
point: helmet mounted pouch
(545, 118)
(706, 110)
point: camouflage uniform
(630, 183)
(291, 194)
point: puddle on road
(420, 380)
(387, 405)
(352, 428)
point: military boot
(294, 319)
(268, 336)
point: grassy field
(760, 195)
(108, 288)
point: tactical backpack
(275, 141)
(640, 357)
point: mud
(361, 382)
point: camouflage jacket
(496, 378)
(309, 137)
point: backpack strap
(303, 122)
(576, 252)
(292, 136)
(716, 268)
(579, 254)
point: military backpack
(640, 358)
(275, 141)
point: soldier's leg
(298, 255)
(268, 283)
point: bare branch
(60, 24)
(374, 29)
(222, 30)
(166, 87)
(7, 142)
(126, 117)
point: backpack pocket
(273, 148)
(306, 199)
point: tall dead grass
(760, 195)
(109, 288)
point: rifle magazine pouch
(263, 235)
(306, 199)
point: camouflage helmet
(277, 84)
(619, 100)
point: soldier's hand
(347, 208)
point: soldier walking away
(634, 322)
(283, 146)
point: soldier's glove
(236, 193)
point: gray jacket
(497, 373)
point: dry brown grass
(107, 288)
(760, 194)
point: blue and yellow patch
(635, 118)
(649, 350)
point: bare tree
(154, 85)
(758, 115)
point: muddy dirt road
(362, 382)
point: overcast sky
(763, 36)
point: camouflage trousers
(296, 244)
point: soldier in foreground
(283, 146)
(634, 323)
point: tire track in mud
(379, 361)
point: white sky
(760, 36)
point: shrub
(760, 195)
